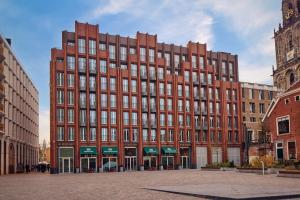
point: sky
(242, 27)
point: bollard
(263, 167)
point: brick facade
(170, 81)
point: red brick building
(120, 103)
(282, 124)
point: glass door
(84, 165)
(92, 165)
(66, 165)
(130, 163)
(184, 162)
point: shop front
(168, 157)
(185, 157)
(110, 159)
(88, 159)
(150, 158)
(66, 159)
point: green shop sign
(150, 150)
(88, 150)
(169, 150)
(109, 150)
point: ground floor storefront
(16, 156)
(92, 159)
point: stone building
(287, 45)
(256, 99)
(19, 114)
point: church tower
(287, 45)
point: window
(186, 76)
(125, 102)
(134, 102)
(176, 61)
(113, 101)
(135, 135)
(171, 135)
(132, 50)
(70, 62)
(103, 85)
(126, 135)
(292, 150)
(92, 47)
(102, 66)
(142, 54)
(261, 95)
(152, 72)
(170, 120)
(153, 135)
(251, 94)
(261, 108)
(92, 100)
(82, 134)
(162, 119)
(180, 106)
(112, 52)
(231, 69)
(71, 80)
(145, 135)
(60, 115)
(209, 79)
(113, 117)
(125, 85)
(71, 133)
(252, 107)
(283, 125)
(113, 134)
(102, 47)
(161, 89)
(217, 93)
(170, 107)
(103, 117)
(123, 53)
(162, 135)
(133, 68)
(70, 115)
(194, 61)
(93, 134)
(133, 86)
(161, 104)
(103, 100)
(126, 118)
(70, 98)
(134, 118)
(60, 96)
(60, 133)
(297, 98)
(169, 89)
(82, 99)
(59, 79)
(286, 101)
(168, 59)
(201, 62)
(179, 90)
(224, 72)
(92, 83)
(151, 55)
(81, 45)
(112, 84)
(104, 134)
(270, 95)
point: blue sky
(242, 27)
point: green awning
(88, 150)
(110, 150)
(150, 150)
(170, 150)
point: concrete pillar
(16, 158)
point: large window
(283, 125)
(81, 45)
(112, 52)
(143, 54)
(92, 47)
(71, 62)
(123, 53)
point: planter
(228, 169)
(289, 173)
(210, 168)
(250, 170)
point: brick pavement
(130, 185)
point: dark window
(283, 125)
(292, 150)
(292, 78)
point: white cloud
(44, 125)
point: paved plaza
(179, 184)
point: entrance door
(280, 154)
(130, 163)
(11, 159)
(84, 165)
(150, 162)
(184, 160)
(168, 162)
(66, 165)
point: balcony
(2, 110)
